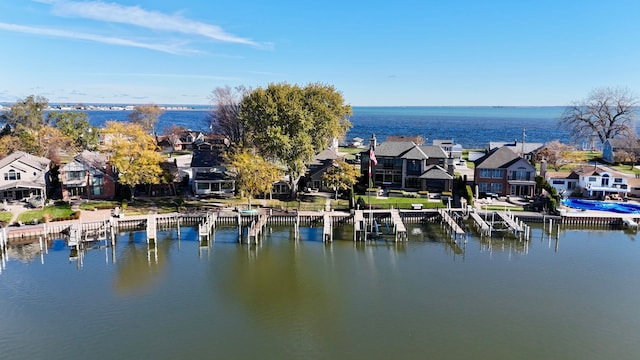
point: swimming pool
(616, 207)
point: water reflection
(141, 265)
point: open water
(473, 127)
(569, 296)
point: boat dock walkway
(453, 225)
(399, 230)
(483, 227)
(509, 221)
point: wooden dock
(327, 228)
(399, 230)
(483, 227)
(456, 230)
(256, 228)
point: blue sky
(378, 53)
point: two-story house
(210, 177)
(23, 176)
(88, 176)
(503, 172)
(408, 166)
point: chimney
(373, 142)
(543, 169)
(450, 167)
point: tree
(133, 152)
(556, 154)
(172, 133)
(76, 126)
(223, 118)
(27, 113)
(606, 113)
(146, 116)
(52, 143)
(291, 124)
(254, 174)
(341, 176)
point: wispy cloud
(137, 16)
(46, 31)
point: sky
(376, 53)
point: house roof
(93, 159)
(28, 159)
(212, 176)
(325, 155)
(598, 170)
(409, 150)
(206, 158)
(435, 172)
(497, 158)
(516, 147)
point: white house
(591, 181)
(23, 176)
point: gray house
(408, 166)
(210, 177)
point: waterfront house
(88, 176)
(502, 172)
(210, 177)
(599, 182)
(591, 181)
(620, 150)
(318, 167)
(23, 176)
(404, 164)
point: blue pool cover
(616, 207)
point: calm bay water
(571, 298)
(473, 127)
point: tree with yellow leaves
(133, 152)
(254, 174)
(341, 176)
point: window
(520, 174)
(203, 186)
(75, 175)
(485, 173)
(413, 167)
(592, 179)
(97, 187)
(215, 186)
(387, 163)
(497, 174)
(558, 182)
(12, 175)
(617, 180)
(484, 187)
(496, 188)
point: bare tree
(146, 116)
(606, 113)
(223, 118)
(556, 154)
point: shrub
(411, 195)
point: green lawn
(5, 216)
(401, 202)
(53, 211)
